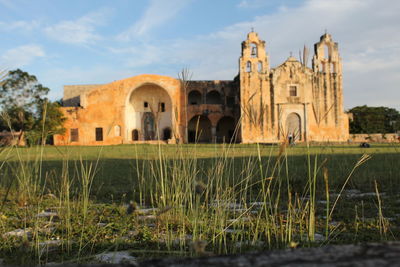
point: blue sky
(89, 42)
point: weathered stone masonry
(261, 104)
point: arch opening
(194, 98)
(146, 115)
(213, 98)
(199, 130)
(260, 67)
(166, 134)
(248, 66)
(135, 135)
(253, 50)
(326, 52)
(225, 130)
(293, 127)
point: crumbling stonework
(261, 104)
(292, 100)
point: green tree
(50, 121)
(20, 89)
(25, 107)
(374, 120)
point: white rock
(19, 233)
(49, 246)
(147, 217)
(46, 214)
(146, 211)
(232, 231)
(51, 243)
(319, 237)
(118, 257)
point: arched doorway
(194, 98)
(226, 130)
(214, 98)
(149, 126)
(135, 135)
(199, 130)
(293, 126)
(148, 110)
(166, 134)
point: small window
(117, 130)
(74, 135)
(293, 90)
(99, 134)
(260, 66)
(145, 104)
(333, 68)
(253, 52)
(326, 52)
(135, 135)
(161, 107)
(248, 66)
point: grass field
(193, 199)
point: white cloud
(252, 3)
(22, 55)
(81, 31)
(19, 25)
(157, 14)
(366, 30)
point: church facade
(262, 104)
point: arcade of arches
(202, 130)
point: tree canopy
(20, 89)
(25, 108)
(374, 120)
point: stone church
(261, 104)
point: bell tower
(255, 97)
(327, 67)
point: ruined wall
(108, 107)
(259, 105)
(72, 93)
(212, 101)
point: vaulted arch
(194, 98)
(199, 129)
(213, 97)
(226, 130)
(143, 111)
(293, 126)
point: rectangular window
(74, 135)
(161, 107)
(99, 134)
(145, 104)
(293, 90)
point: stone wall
(377, 138)
(72, 94)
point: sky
(100, 41)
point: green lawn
(267, 196)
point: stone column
(213, 134)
